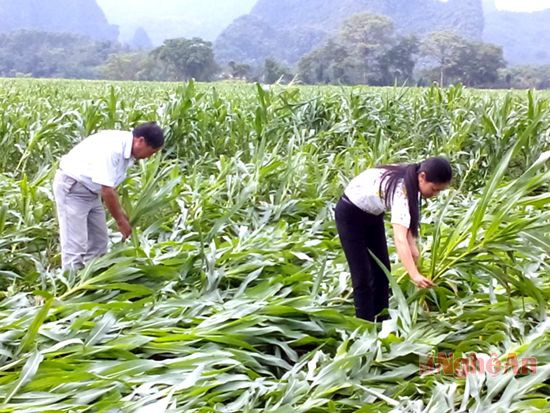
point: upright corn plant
(500, 231)
(233, 294)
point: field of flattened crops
(233, 293)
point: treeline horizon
(366, 51)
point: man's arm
(112, 203)
(404, 251)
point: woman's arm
(406, 256)
(413, 246)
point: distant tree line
(45, 54)
(367, 50)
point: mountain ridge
(83, 17)
(165, 19)
(317, 20)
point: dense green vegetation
(29, 53)
(233, 294)
(367, 51)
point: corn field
(233, 293)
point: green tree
(241, 71)
(328, 64)
(446, 49)
(187, 58)
(128, 66)
(460, 60)
(367, 37)
(367, 51)
(397, 63)
(275, 72)
(481, 64)
(43, 54)
(526, 77)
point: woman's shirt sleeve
(400, 207)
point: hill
(527, 43)
(83, 17)
(287, 29)
(164, 19)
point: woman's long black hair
(437, 170)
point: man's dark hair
(151, 132)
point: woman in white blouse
(360, 223)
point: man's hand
(110, 198)
(124, 227)
(421, 281)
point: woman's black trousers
(359, 232)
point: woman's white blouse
(364, 192)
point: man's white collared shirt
(102, 159)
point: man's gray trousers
(82, 222)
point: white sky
(522, 5)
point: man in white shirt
(89, 172)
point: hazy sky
(207, 18)
(516, 5)
(523, 5)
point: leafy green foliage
(526, 77)
(44, 54)
(460, 60)
(367, 51)
(274, 72)
(330, 63)
(187, 58)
